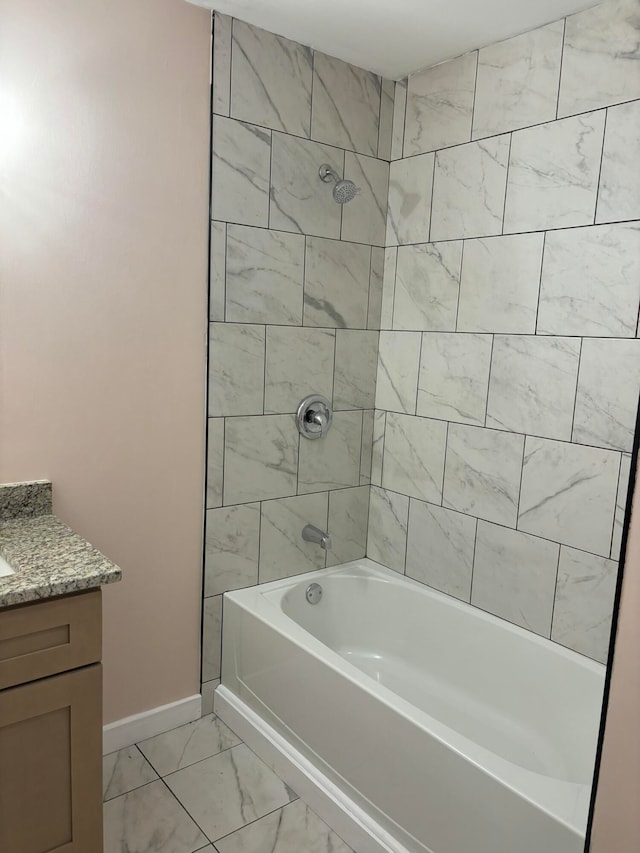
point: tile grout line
(473, 563)
(564, 33)
(544, 246)
(486, 404)
(575, 400)
(604, 136)
(555, 593)
(506, 186)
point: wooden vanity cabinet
(51, 726)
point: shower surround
(508, 366)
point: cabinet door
(51, 764)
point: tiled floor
(197, 784)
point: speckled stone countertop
(48, 558)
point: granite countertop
(48, 558)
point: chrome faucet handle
(314, 416)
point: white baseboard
(358, 829)
(155, 721)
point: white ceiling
(396, 37)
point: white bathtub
(423, 723)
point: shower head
(343, 190)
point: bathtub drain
(313, 593)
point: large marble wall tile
(346, 105)
(364, 220)
(553, 174)
(215, 458)
(299, 362)
(211, 637)
(518, 81)
(348, 517)
(440, 105)
(568, 493)
(608, 388)
(260, 459)
(584, 603)
(533, 385)
(232, 537)
(440, 546)
(399, 110)
(388, 287)
(300, 201)
(376, 281)
(387, 535)
(619, 194)
(270, 80)
(427, 285)
(336, 290)
(514, 576)
(354, 385)
(240, 172)
(409, 209)
(377, 449)
(621, 506)
(591, 281)
(454, 377)
(414, 451)
(265, 276)
(366, 453)
(482, 473)
(385, 129)
(221, 63)
(334, 461)
(468, 189)
(500, 283)
(217, 273)
(398, 363)
(236, 369)
(283, 551)
(601, 46)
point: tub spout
(310, 533)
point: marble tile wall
(295, 304)
(509, 358)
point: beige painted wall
(616, 826)
(103, 248)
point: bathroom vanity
(50, 679)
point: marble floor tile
(409, 208)
(215, 458)
(333, 462)
(517, 81)
(124, 770)
(188, 744)
(398, 364)
(584, 603)
(533, 385)
(346, 105)
(601, 45)
(514, 576)
(387, 536)
(217, 272)
(482, 473)
(621, 506)
(399, 109)
(221, 63)
(292, 829)
(440, 546)
(264, 279)
(569, 493)
(150, 820)
(283, 551)
(300, 202)
(500, 283)
(211, 637)
(336, 288)
(553, 174)
(591, 281)
(454, 377)
(229, 790)
(608, 388)
(236, 369)
(232, 542)
(348, 517)
(271, 80)
(619, 193)
(364, 220)
(440, 105)
(414, 450)
(300, 361)
(427, 286)
(468, 189)
(240, 172)
(354, 383)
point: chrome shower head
(343, 190)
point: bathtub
(411, 721)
